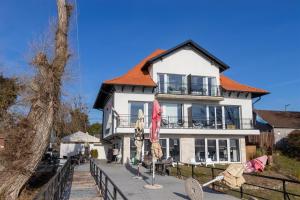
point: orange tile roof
(136, 76)
(231, 85)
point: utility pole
(285, 107)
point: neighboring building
(205, 114)
(75, 144)
(1, 142)
(280, 123)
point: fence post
(106, 189)
(284, 190)
(115, 193)
(241, 192)
(101, 181)
(193, 166)
(177, 169)
(213, 176)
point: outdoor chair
(180, 122)
(197, 124)
(209, 161)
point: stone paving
(83, 186)
(173, 188)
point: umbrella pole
(153, 171)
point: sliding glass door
(200, 150)
(174, 149)
(232, 117)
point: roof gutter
(257, 100)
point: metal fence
(54, 189)
(107, 187)
(214, 171)
(128, 121)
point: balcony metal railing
(128, 121)
(188, 89)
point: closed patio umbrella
(154, 138)
(139, 135)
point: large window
(147, 147)
(163, 144)
(176, 84)
(172, 115)
(199, 116)
(174, 149)
(232, 117)
(205, 86)
(134, 110)
(198, 85)
(212, 150)
(234, 150)
(212, 86)
(223, 151)
(218, 150)
(132, 148)
(200, 150)
(161, 83)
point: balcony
(171, 122)
(188, 91)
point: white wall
(185, 61)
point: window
(198, 85)
(219, 118)
(161, 83)
(134, 110)
(147, 147)
(234, 150)
(200, 150)
(211, 116)
(232, 117)
(212, 86)
(212, 150)
(174, 149)
(132, 148)
(163, 144)
(172, 115)
(149, 117)
(175, 84)
(199, 117)
(223, 152)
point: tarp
(80, 137)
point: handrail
(99, 175)
(187, 122)
(286, 194)
(55, 187)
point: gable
(184, 61)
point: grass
(283, 167)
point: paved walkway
(83, 185)
(173, 188)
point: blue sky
(258, 39)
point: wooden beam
(143, 89)
(123, 88)
(132, 89)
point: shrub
(293, 144)
(94, 153)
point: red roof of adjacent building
(137, 76)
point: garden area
(260, 185)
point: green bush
(293, 145)
(94, 153)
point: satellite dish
(193, 189)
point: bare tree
(28, 139)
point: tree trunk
(47, 84)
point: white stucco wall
(185, 61)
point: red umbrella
(156, 118)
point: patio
(133, 189)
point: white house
(205, 114)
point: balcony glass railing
(188, 89)
(126, 121)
